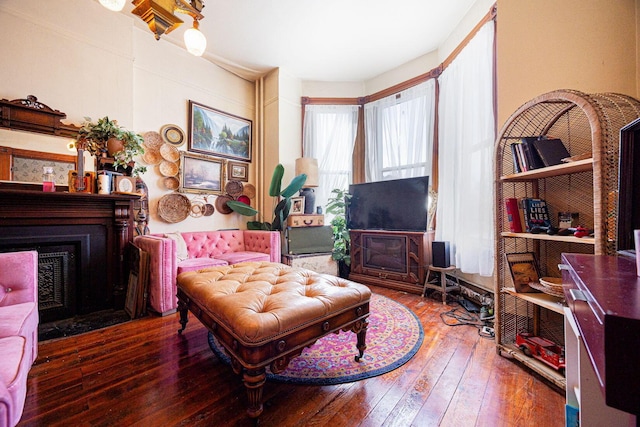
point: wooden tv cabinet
(393, 259)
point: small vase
(114, 145)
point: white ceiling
(325, 40)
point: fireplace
(81, 241)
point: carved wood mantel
(105, 222)
(31, 115)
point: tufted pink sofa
(175, 253)
(18, 330)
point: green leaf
(241, 208)
(295, 185)
(276, 181)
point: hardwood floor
(143, 373)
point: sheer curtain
(399, 134)
(329, 134)
(465, 156)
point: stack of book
(537, 152)
(527, 215)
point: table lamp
(308, 166)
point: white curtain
(465, 155)
(329, 134)
(399, 134)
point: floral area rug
(394, 336)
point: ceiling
(327, 40)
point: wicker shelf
(556, 238)
(541, 368)
(563, 169)
(586, 123)
(541, 299)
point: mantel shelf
(562, 169)
(555, 237)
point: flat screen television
(394, 205)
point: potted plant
(106, 138)
(281, 201)
(337, 206)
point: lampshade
(114, 5)
(308, 166)
(194, 40)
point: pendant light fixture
(114, 5)
(194, 40)
(160, 16)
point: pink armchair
(18, 330)
(174, 253)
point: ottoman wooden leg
(183, 309)
(254, 379)
(361, 331)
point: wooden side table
(443, 286)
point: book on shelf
(530, 154)
(550, 151)
(536, 214)
(517, 166)
(513, 214)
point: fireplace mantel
(35, 219)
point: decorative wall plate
(169, 168)
(152, 139)
(172, 134)
(174, 207)
(171, 183)
(151, 156)
(169, 152)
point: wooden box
(308, 220)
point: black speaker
(440, 254)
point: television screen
(395, 205)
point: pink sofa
(175, 253)
(18, 330)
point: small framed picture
(297, 205)
(238, 171)
(201, 174)
(125, 184)
(524, 270)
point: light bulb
(194, 40)
(114, 5)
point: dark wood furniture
(603, 296)
(30, 115)
(81, 239)
(265, 314)
(394, 259)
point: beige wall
(587, 45)
(109, 65)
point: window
(399, 134)
(329, 133)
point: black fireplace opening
(72, 275)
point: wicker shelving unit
(586, 123)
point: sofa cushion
(194, 264)
(181, 245)
(11, 353)
(17, 319)
(243, 256)
(13, 376)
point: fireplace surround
(81, 241)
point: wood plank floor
(143, 373)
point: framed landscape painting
(201, 174)
(219, 134)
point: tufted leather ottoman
(265, 314)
